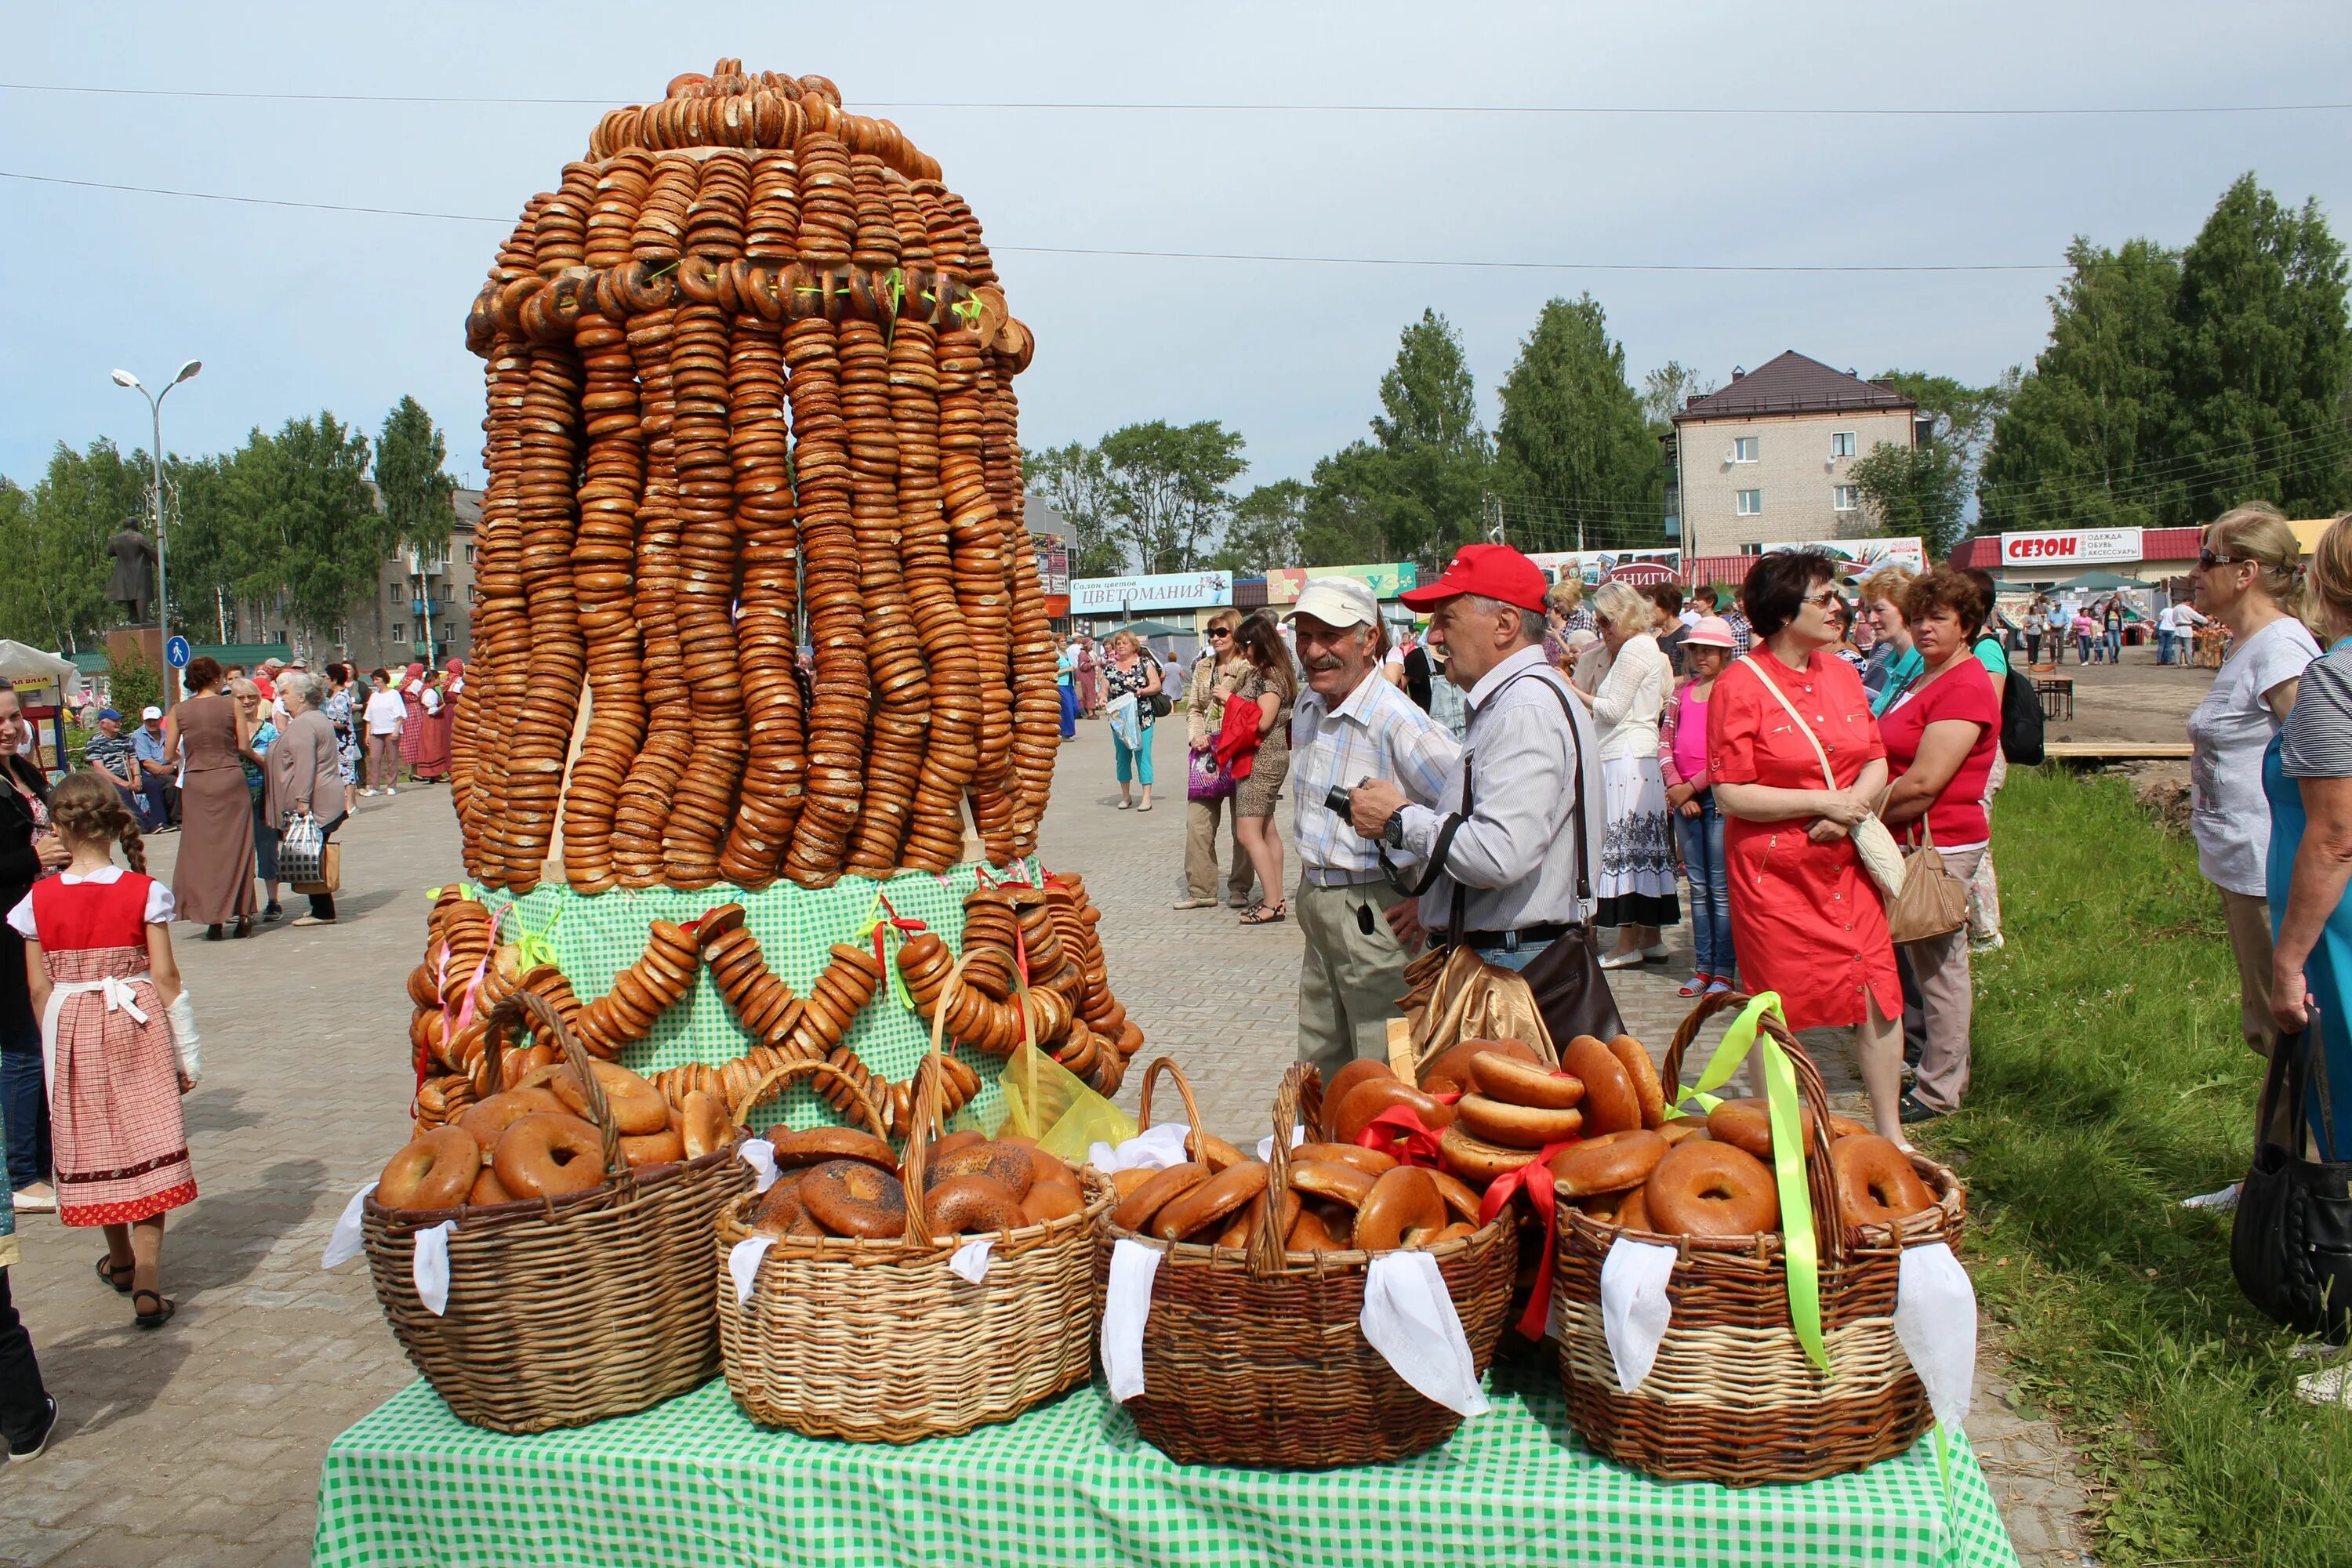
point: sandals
(1696, 985)
(1266, 914)
(164, 1308)
(121, 1282)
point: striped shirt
(1376, 733)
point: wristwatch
(1392, 831)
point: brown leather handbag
(1933, 901)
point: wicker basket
(1252, 1358)
(562, 1311)
(875, 1340)
(1733, 1398)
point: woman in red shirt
(1941, 736)
(1806, 920)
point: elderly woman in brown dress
(213, 882)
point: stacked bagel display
(1253, 1352)
(750, 387)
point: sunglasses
(1218, 634)
(2208, 559)
(1827, 599)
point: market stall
(766, 1201)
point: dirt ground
(2137, 701)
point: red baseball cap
(1493, 570)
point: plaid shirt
(1376, 733)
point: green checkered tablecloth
(594, 938)
(694, 1482)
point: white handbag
(1881, 856)
(301, 850)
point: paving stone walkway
(200, 1444)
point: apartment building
(420, 608)
(1768, 459)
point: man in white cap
(1351, 724)
(156, 806)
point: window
(1743, 451)
(1842, 444)
(396, 593)
(1750, 503)
(470, 556)
(1845, 498)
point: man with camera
(1351, 724)
(1499, 851)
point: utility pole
(155, 464)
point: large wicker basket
(1733, 1398)
(566, 1310)
(875, 1340)
(1252, 1357)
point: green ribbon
(970, 310)
(895, 285)
(1800, 1247)
(532, 950)
(433, 895)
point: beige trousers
(1946, 1002)
(2249, 919)
(1350, 979)
(1201, 854)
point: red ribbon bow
(1400, 1133)
(895, 923)
(1542, 1195)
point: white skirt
(1637, 861)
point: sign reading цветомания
(1159, 590)
(2070, 547)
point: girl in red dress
(1806, 920)
(97, 955)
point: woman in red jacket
(1797, 762)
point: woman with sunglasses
(1797, 762)
(2247, 578)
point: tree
(326, 540)
(23, 617)
(1263, 533)
(2082, 443)
(1414, 491)
(1573, 445)
(79, 504)
(409, 454)
(1168, 489)
(1924, 490)
(1077, 481)
(1666, 389)
(2262, 360)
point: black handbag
(2291, 1245)
(1571, 990)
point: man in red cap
(1502, 853)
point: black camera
(1338, 800)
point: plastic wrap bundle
(749, 379)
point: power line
(1105, 106)
(1148, 255)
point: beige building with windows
(1768, 459)
(422, 607)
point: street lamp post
(155, 464)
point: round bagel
(1748, 1125)
(1051, 1200)
(1156, 1193)
(968, 1205)
(1371, 1097)
(485, 1119)
(1516, 1126)
(487, 1191)
(1612, 1162)
(1610, 1104)
(849, 1197)
(1633, 1214)
(1211, 1203)
(1474, 1159)
(1309, 1233)
(1371, 1161)
(1448, 1072)
(1500, 1076)
(1460, 1201)
(435, 1170)
(1711, 1189)
(1008, 1165)
(666, 1147)
(637, 1106)
(817, 1144)
(1876, 1183)
(704, 1124)
(1635, 1059)
(547, 1155)
(1331, 1179)
(942, 1147)
(1403, 1206)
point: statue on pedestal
(134, 583)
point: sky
(293, 311)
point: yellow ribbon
(970, 310)
(1801, 1246)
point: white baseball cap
(1338, 602)
(150, 713)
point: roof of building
(1792, 383)
(2155, 544)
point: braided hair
(86, 806)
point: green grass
(2111, 1081)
